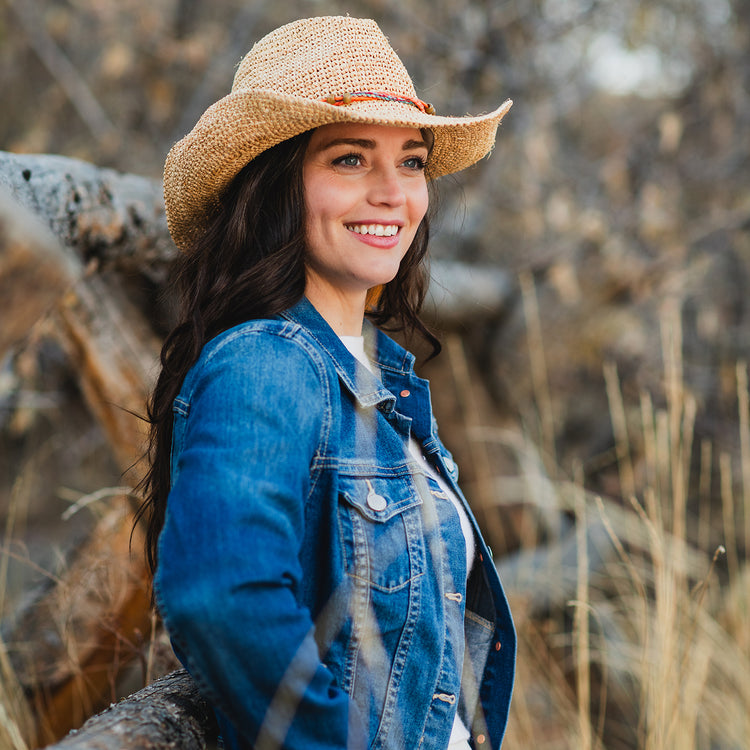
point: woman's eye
(350, 160)
(415, 162)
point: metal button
(374, 500)
(405, 393)
(377, 502)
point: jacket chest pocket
(381, 528)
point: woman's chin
(382, 277)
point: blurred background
(598, 408)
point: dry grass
(656, 654)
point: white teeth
(379, 230)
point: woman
(316, 566)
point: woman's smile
(385, 236)
(377, 230)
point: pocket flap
(379, 498)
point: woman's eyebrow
(367, 144)
(364, 143)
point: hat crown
(317, 57)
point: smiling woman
(319, 572)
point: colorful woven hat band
(383, 96)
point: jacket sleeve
(229, 550)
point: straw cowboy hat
(303, 75)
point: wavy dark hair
(250, 263)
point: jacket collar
(395, 364)
(382, 351)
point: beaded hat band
(303, 75)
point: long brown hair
(250, 263)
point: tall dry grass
(652, 650)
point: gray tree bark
(70, 232)
(116, 219)
(170, 713)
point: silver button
(377, 502)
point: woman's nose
(386, 188)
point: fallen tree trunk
(34, 270)
(69, 645)
(460, 294)
(170, 713)
(69, 642)
(115, 354)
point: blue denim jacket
(310, 576)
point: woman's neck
(343, 312)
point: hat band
(384, 96)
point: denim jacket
(311, 578)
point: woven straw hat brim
(238, 127)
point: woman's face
(365, 195)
